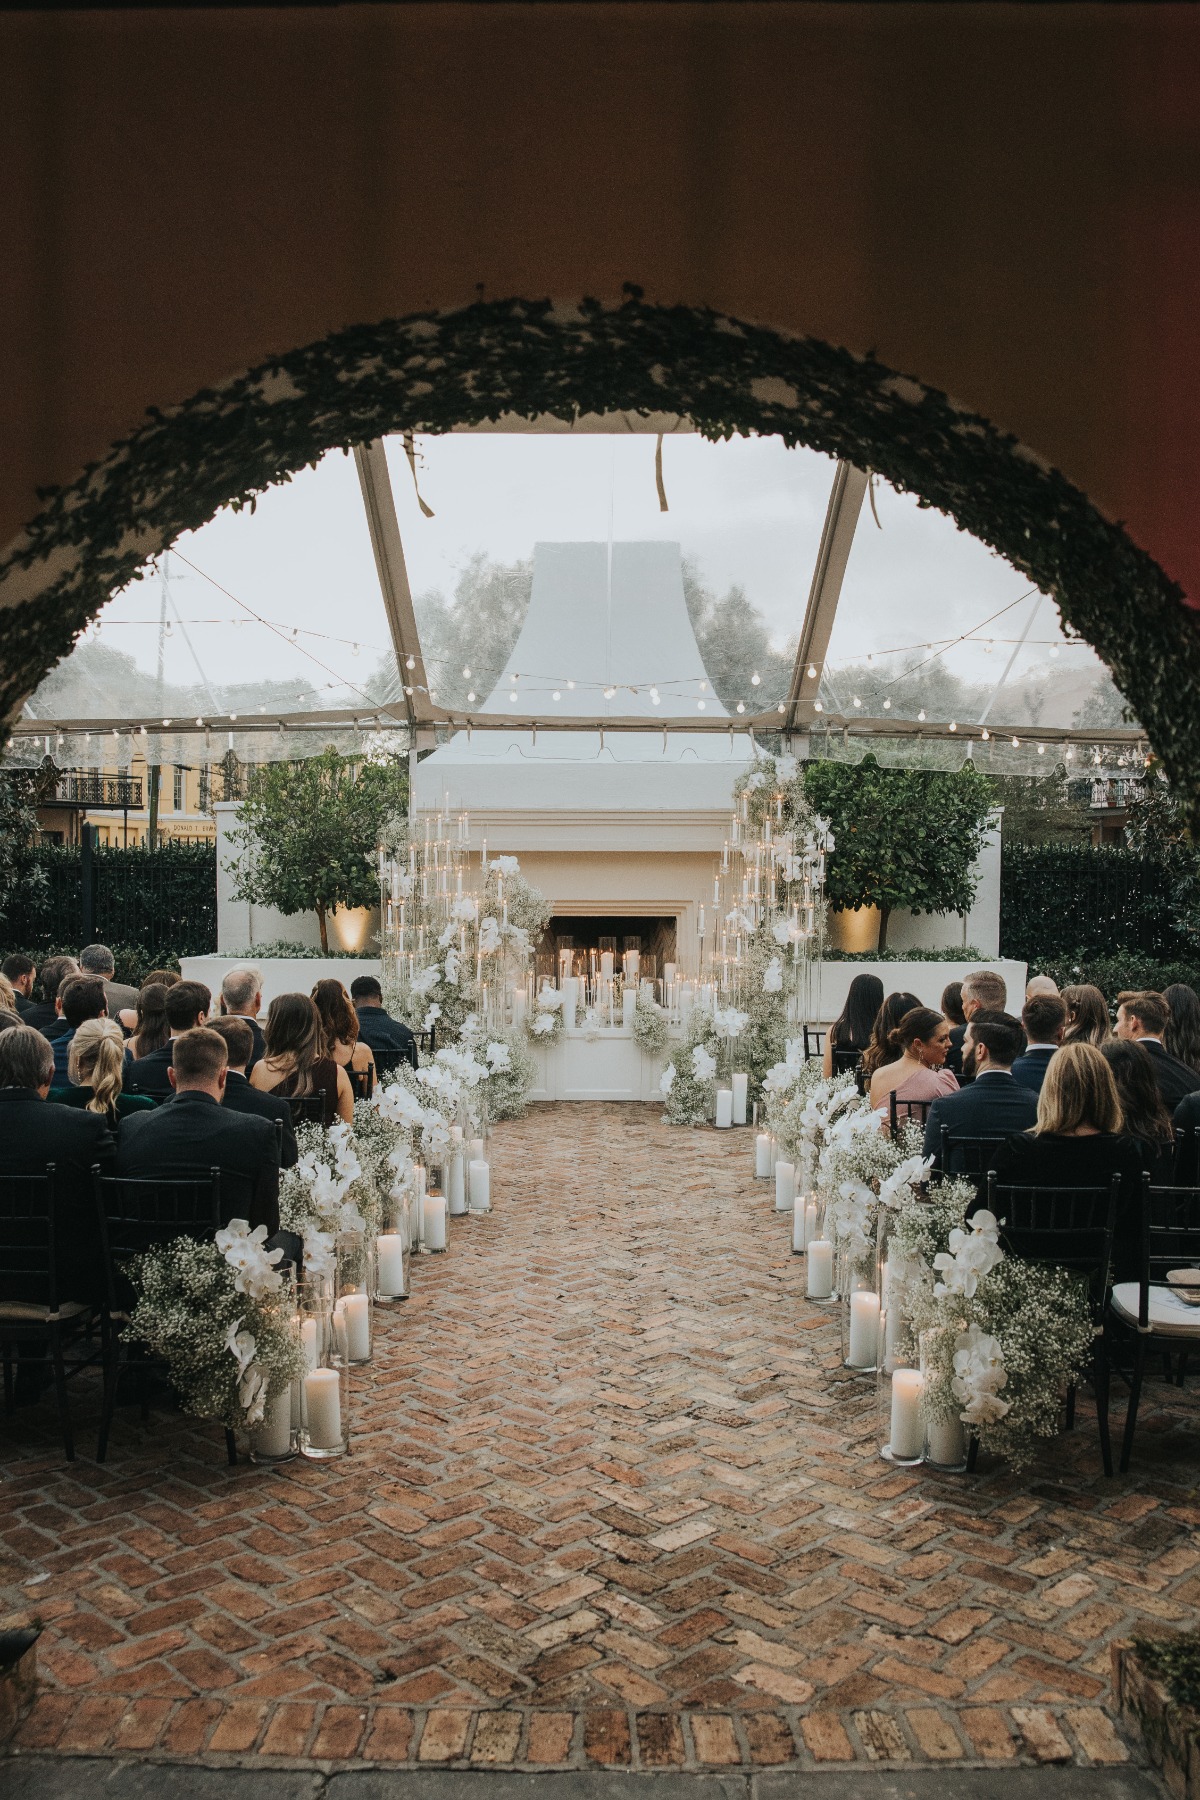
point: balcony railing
(1115, 791)
(98, 790)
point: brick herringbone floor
(612, 1500)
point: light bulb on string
(700, 705)
(741, 706)
(781, 707)
(1054, 649)
(570, 684)
(609, 692)
(985, 734)
(557, 694)
(819, 707)
(471, 695)
(755, 679)
(921, 715)
(655, 697)
(954, 724)
(857, 701)
(812, 671)
(887, 706)
(410, 662)
(1016, 743)
(1041, 749)
(512, 695)
(704, 687)
(354, 649)
(466, 674)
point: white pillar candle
(798, 1222)
(810, 1222)
(274, 1436)
(481, 1186)
(570, 989)
(518, 1010)
(456, 1188)
(946, 1442)
(355, 1311)
(477, 1150)
(436, 1227)
(741, 1095)
(820, 1269)
(389, 1253)
(864, 1330)
(724, 1108)
(323, 1404)
(668, 971)
(628, 1006)
(762, 1156)
(606, 965)
(308, 1342)
(908, 1428)
(785, 1186)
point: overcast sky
(749, 512)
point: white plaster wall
(241, 926)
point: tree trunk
(885, 913)
(324, 927)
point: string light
(819, 707)
(954, 725)
(755, 679)
(741, 706)
(609, 692)
(812, 671)
(1041, 749)
(921, 715)
(570, 685)
(410, 662)
(985, 734)
(887, 706)
(857, 701)
(1016, 743)
(557, 694)
(781, 707)
(700, 705)
(512, 694)
(471, 695)
(466, 674)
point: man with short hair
(80, 998)
(196, 1133)
(1040, 984)
(241, 1097)
(35, 1131)
(983, 990)
(1142, 1018)
(1044, 1017)
(376, 1028)
(98, 959)
(19, 972)
(241, 998)
(993, 1105)
(187, 1007)
(44, 1015)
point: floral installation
(649, 1026)
(862, 1170)
(545, 1021)
(688, 1083)
(801, 1106)
(220, 1316)
(1000, 1338)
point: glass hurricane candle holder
(356, 1283)
(274, 1439)
(945, 1433)
(901, 1416)
(325, 1384)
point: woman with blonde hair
(297, 1063)
(96, 1067)
(1087, 1016)
(342, 1042)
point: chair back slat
(362, 1081)
(904, 1112)
(1069, 1228)
(1170, 1231)
(814, 1042)
(846, 1062)
(307, 1109)
(969, 1156)
(388, 1061)
(138, 1215)
(27, 1249)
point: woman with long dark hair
(129, 1019)
(1147, 1120)
(296, 1062)
(879, 1049)
(917, 1071)
(1087, 1016)
(1181, 1039)
(851, 1030)
(151, 1030)
(340, 1021)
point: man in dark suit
(1142, 1018)
(1044, 1017)
(44, 1015)
(35, 1131)
(241, 998)
(195, 1133)
(187, 1007)
(241, 1097)
(376, 1028)
(993, 1105)
(1186, 1121)
(20, 974)
(98, 959)
(80, 998)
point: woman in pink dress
(921, 1041)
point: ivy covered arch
(432, 371)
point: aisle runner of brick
(611, 1501)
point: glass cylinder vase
(353, 1318)
(325, 1384)
(945, 1433)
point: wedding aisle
(611, 1500)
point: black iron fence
(165, 899)
(1064, 899)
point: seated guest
(8, 999)
(879, 1049)
(1078, 1142)
(921, 1041)
(241, 998)
(96, 1066)
(80, 998)
(1143, 1019)
(9, 1019)
(150, 1028)
(297, 1063)
(983, 990)
(1087, 1016)
(376, 1027)
(340, 1022)
(196, 1133)
(851, 1030)
(1044, 1017)
(186, 1006)
(953, 1010)
(1181, 1039)
(1147, 1120)
(241, 1097)
(20, 973)
(1041, 984)
(98, 959)
(44, 1015)
(992, 1105)
(129, 1017)
(35, 1131)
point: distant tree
(1043, 809)
(735, 644)
(476, 630)
(904, 837)
(1105, 705)
(20, 790)
(309, 830)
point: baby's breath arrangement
(545, 1021)
(862, 1169)
(688, 1084)
(802, 1105)
(220, 1316)
(512, 1072)
(649, 1026)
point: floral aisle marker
(649, 1026)
(546, 1020)
(688, 1083)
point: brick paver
(612, 1500)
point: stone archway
(430, 372)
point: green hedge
(1117, 972)
(164, 900)
(1077, 902)
(134, 961)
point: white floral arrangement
(546, 1021)
(220, 1316)
(512, 1073)
(688, 1083)
(1002, 1338)
(649, 1026)
(861, 1170)
(802, 1105)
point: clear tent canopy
(378, 599)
